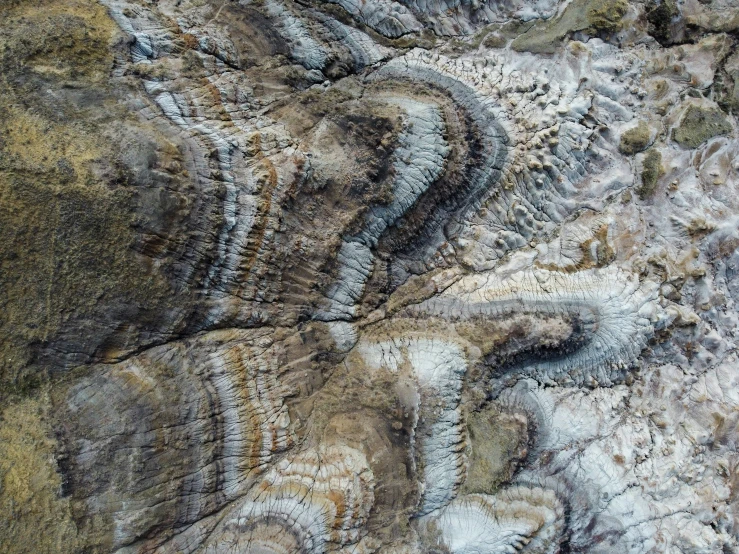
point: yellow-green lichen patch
(498, 445)
(700, 124)
(605, 15)
(635, 139)
(36, 519)
(66, 217)
(69, 38)
(593, 16)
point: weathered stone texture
(390, 276)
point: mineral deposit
(369, 276)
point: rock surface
(378, 276)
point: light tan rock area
(369, 276)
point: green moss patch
(651, 172)
(700, 124)
(635, 139)
(660, 15)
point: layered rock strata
(369, 277)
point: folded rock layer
(378, 276)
